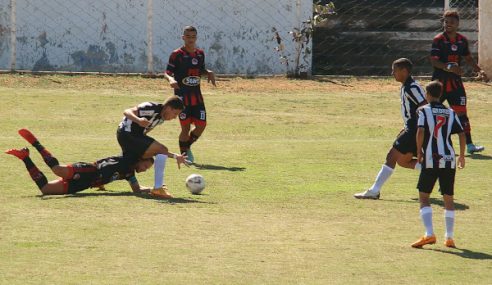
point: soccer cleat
(161, 192)
(368, 194)
(28, 136)
(424, 240)
(19, 153)
(472, 148)
(449, 243)
(190, 156)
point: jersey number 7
(441, 120)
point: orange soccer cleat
(19, 153)
(161, 192)
(424, 240)
(449, 243)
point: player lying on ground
(184, 70)
(404, 148)
(136, 144)
(436, 123)
(448, 49)
(79, 176)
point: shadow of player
(464, 253)
(218, 167)
(479, 156)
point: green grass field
(282, 160)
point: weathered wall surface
(111, 35)
(485, 36)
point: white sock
(426, 215)
(383, 175)
(159, 166)
(449, 217)
(418, 166)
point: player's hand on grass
(461, 161)
(143, 122)
(211, 77)
(143, 189)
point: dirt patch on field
(228, 85)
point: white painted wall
(485, 36)
(111, 35)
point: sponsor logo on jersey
(454, 47)
(191, 81)
(146, 112)
(182, 116)
(194, 61)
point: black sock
(183, 146)
(192, 139)
(47, 157)
(36, 175)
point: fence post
(485, 36)
(13, 35)
(150, 57)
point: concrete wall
(111, 35)
(485, 36)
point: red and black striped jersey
(439, 123)
(187, 69)
(448, 51)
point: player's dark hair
(174, 102)
(189, 29)
(434, 89)
(403, 63)
(452, 14)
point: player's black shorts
(406, 141)
(133, 147)
(454, 93)
(196, 115)
(83, 176)
(428, 177)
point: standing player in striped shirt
(448, 49)
(404, 148)
(435, 151)
(184, 70)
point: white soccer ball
(195, 183)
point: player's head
(450, 21)
(144, 164)
(189, 36)
(172, 107)
(433, 91)
(401, 69)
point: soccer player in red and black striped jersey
(448, 49)
(79, 176)
(184, 70)
(404, 148)
(435, 151)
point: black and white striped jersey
(439, 123)
(149, 110)
(412, 95)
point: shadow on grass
(123, 194)
(218, 167)
(479, 156)
(464, 253)
(433, 201)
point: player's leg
(426, 183)
(159, 151)
(185, 121)
(199, 119)
(36, 175)
(47, 156)
(457, 101)
(446, 184)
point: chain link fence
(362, 37)
(139, 35)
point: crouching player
(79, 176)
(435, 151)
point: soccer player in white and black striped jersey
(404, 148)
(435, 151)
